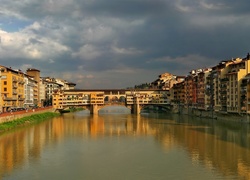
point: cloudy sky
(120, 43)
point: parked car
(20, 109)
(14, 109)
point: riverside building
(223, 88)
(25, 90)
(12, 88)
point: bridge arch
(106, 99)
(154, 108)
(122, 99)
(114, 99)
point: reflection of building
(221, 148)
(96, 126)
(243, 170)
(212, 148)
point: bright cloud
(119, 43)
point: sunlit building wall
(238, 70)
(245, 94)
(247, 101)
(12, 88)
(219, 78)
(218, 81)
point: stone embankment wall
(212, 114)
(10, 116)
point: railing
(9, 98)
(14, 79)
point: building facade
(25, 90)
(222, 88)
(12, 88)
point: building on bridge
(94, 100)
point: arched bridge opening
(114, 99)
(154, 108)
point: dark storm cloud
(102, 42)
(124, 9)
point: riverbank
(10, 116)
(212, 114)
(32, 119)
(9, 120)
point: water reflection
(216, 146)
(114, 109)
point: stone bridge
(94, 100)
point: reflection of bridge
(94, 100)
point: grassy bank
(27, 120)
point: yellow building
(97, 98)
(219, 85)
(70, 98)
(12, 88)
(237, 71)
(226, 84)
(247, 100)
(245, 94)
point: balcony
(14, 79)
(223, 86)
(224, 80)
(21, 82)
(9, 99)
(223, 91)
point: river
(124, 146)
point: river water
(124, 146)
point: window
(5, 82)
(5, 89)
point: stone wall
(212, 114)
